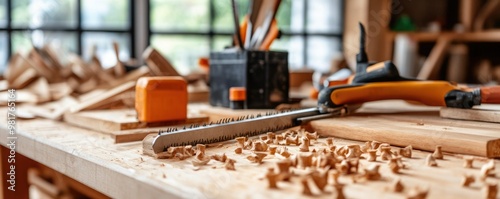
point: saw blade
(227, 129)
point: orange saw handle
(432, 93)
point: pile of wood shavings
(318, 165)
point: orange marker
(161, 98)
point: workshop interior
(249, 99)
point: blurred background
(182, 30)
(320, 35)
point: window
(184, 30)
(67, 25)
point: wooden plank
(432, 64)
(421, 129)
(123, 125)
(471, 114)
(77, 152)
(102, 98)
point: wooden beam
(433, 63)
(485, 12)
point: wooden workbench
(122, 171)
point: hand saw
(332, 101)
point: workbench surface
(122, 171)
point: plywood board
(123, 125)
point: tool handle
(490, 94)
(271, 36)
(432, 93)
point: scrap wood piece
(471, 114)
(20, 72)
(14, 67)
(103, 98)
(49, 54)
(158, 64)
(87, 85)
(4, 85)
(60, 90)
(119, 68)
(40, 88)
(131, 76)
(79, 68)
(22, 96)
(38, 63)
(53, 110)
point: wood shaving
(229, 165)
(397, 186)
(438, 154)
(430, 161)
(468, 162)
(406, 152)
(467, 179)
(218, 157)
(272, 178)
(257, 157)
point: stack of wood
(49, 89)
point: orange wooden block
(161, 99)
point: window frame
(78, 29)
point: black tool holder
(264, 74)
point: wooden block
(123, 125)
(96, 101)
(471, 114)
(119, 68)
